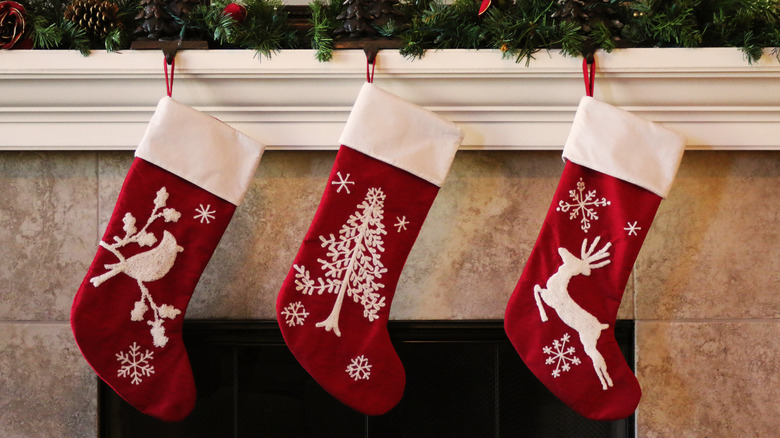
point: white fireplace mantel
(60, 100)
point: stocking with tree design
(333, 306)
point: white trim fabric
(613, 141)
(200, 149)
(402, 134)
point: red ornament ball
(235, 11)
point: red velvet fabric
(357, 184)
(110, 340)
(620, 227)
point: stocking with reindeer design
(333, 306)
(189, 174)
(561, 315)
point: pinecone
(97, 17)
(362, 17)
(163, 18)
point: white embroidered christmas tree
(354, 266)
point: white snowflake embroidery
(402, 223)
(295, 314)
(146, 266)
(632, 228)
(205, 214)
(354, 265)
(583, 204)
(561, 356)
(359, 369)
(135, 364)
(342, 183)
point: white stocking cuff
(612, 141)
(200, 149)
(402, 134)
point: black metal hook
(371, 47)
(169, 49)
(371, 52)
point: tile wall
(704, 291)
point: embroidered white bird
(147, 266)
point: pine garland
(750, 25)
(264, 30)
(518, 28)
(520, 32)
(439, 26)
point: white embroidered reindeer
(556, 295)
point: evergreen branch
(569, 40)
(45, 35)
(521, 32)
(218, 26)
(323, 20)
(602, 37)
(75, 37)
(116, 40)
(441, 26)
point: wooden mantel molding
(60, 100)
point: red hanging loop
(169, 83)
(370, 66)
(589, 74)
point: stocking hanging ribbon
(588, 74)
(169, 83)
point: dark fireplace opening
(464, 379)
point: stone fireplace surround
(703, 294)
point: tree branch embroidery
(354, 264)
(147, 266)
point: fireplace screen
(464, 379)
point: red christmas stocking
(333, 306)
(189, 174)
(561, 316)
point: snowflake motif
(561, 356)
(134, 364)
(402, 223)
(632, 228)
(359, 369)
(205, 214)
(584, 203)
(295, 314)
(343, 182)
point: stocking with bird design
(561, 315)
(189, 173)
